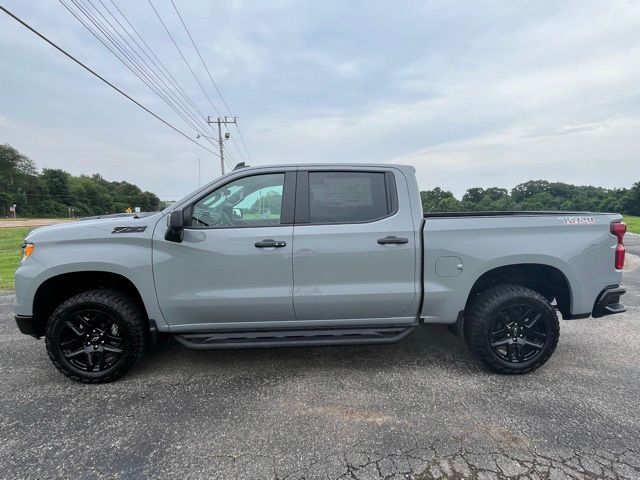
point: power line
(201, 59)
(194, 111)
(126, 58)
(64, 52)
(175, 44)
(212, 81)
(157, 79)
(164, 70)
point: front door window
(254, 201)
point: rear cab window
(349, 196)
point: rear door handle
(392, 240)
(269, 243)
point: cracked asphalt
(419, 409)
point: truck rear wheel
(96, 336)
(512, 329)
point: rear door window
(347, 197)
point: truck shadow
(428, 345)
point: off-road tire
(482, 317)
(131, 320)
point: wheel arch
(55, 290)
(547, 280)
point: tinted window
(254, 201)
(346, 197)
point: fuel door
(449, 266)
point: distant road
(30, 222)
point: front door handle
(392, 240)
(269, 243)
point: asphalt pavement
(632, 244)
(422, 408)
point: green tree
(536, 195)
(631, 202)
(54, 191)
(18, 179)
(438, 200)
(528, 189)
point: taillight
(619, 229)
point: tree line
(56, 193)
(52, 192)
(536, 195)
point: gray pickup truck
(310, 255)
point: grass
(633, 223)
(10, 253)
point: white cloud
(495, 93)
(603, 154)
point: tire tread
(476, 321)
(130, 312)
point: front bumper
(608, 302)
(27, 325)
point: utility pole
(220, 122)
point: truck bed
(462, 247)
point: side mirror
(175, 226)
(175, 219)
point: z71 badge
(129, 229)
(578, 220)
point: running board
(293, 338)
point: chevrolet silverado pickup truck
(311, 255)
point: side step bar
(293, 338)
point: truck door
(354, 259)
(234, 264)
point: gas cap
(448, 266)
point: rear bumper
(608, 302)
(27, 325)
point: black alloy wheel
(97, 336)
(91, 340)
(511, 328)
(519, 333)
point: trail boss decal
(578, 220)
(129, 229)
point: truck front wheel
(96, 336)
(512, 329)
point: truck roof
(329, 165)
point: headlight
(27, 250)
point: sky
(486, 93)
